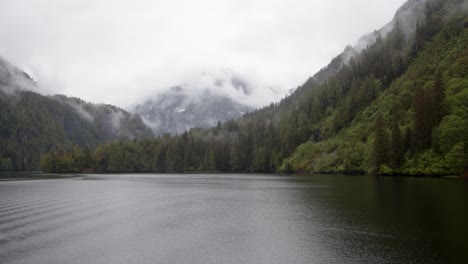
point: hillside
(33, 124)
(414, 124)
(395, 106)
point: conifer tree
(438, 95)
(173, 158)
(234, 161)
(210, 159)
(407, 140)
(380, 146)
(396, 151)
(422, 121)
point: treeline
(191, 151)
(400, 106)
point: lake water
(232, 218)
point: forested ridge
(33, 124)
(398, 107)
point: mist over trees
(398, 107)
(33, 124)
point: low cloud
(220, 82)
(120, 52)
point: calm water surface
(232, 218)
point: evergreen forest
(399, 107)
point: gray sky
(120, 51)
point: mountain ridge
(33, 124)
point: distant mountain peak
(199, 102)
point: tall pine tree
(380, 146)
(396, 150)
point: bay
(232, 218)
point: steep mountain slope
(406, 18)
(415, 126)
(386, 110)
(180, 109)
(32, 124)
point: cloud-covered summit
(200, 101)
(122, 51)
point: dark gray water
(232, 218)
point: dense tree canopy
(32, 125)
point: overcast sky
(120, 51)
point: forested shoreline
(398, 107)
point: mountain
(33, 124)
(406, 18)
(13, 79)
(396, 105)
(184, 107)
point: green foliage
(234, 161)
(33, 124)
(425, 163)
(434, 121)
(451, 131)
(6, 164)
(457, 159)
(385, 170)
(210, 160)
(396, 145)
(380, 145)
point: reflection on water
(232, 218)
